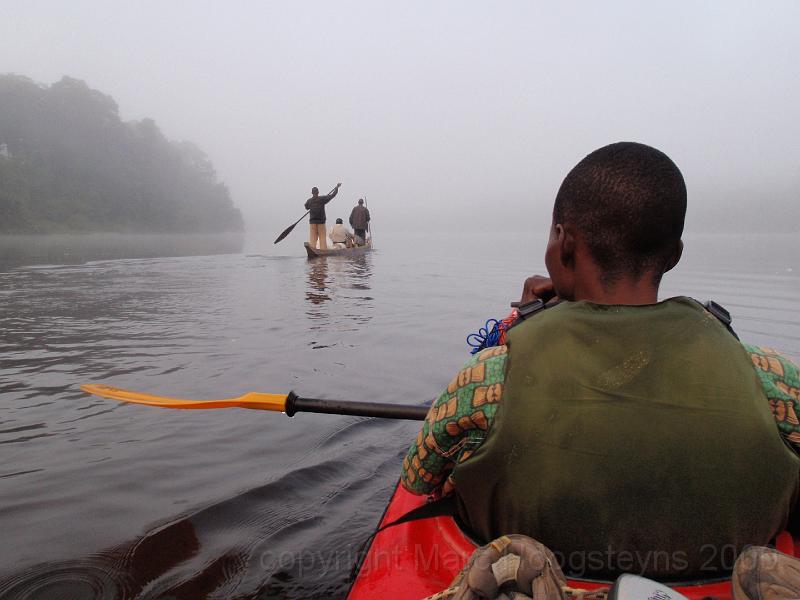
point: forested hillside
(69, 163)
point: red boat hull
(416, 559)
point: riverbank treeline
(68, 163)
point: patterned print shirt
(459, 419)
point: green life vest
(631, 439)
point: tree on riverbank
(69, 163)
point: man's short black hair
(628, 203)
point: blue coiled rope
(486, 336)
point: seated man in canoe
(340, 236)
(626, 434)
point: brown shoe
(765, 574)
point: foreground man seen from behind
(625, 434)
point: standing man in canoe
(624, 433)
(316, 217)
(359, 221)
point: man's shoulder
(780, 380)
(774, 366)
(495, 359)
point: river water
(106, 500)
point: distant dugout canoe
(357, 251)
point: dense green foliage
(69, 163)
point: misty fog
(463, 116)
(152, 150)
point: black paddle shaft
(296, 404)
(288, 230)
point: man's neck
(621, 291)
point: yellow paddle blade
(254, 400)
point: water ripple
(67, 580)
(246, 504)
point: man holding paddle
(626, 434)
(316, 217)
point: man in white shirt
(340, 236)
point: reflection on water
(317, 283)
(121, 572)
(361, 271)
(337, 293)
(72, 249)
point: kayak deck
(419, 558)
(357, 251)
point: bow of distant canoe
(357, 251)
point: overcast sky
(460, 114)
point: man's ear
(676, 256)
(566, 245)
